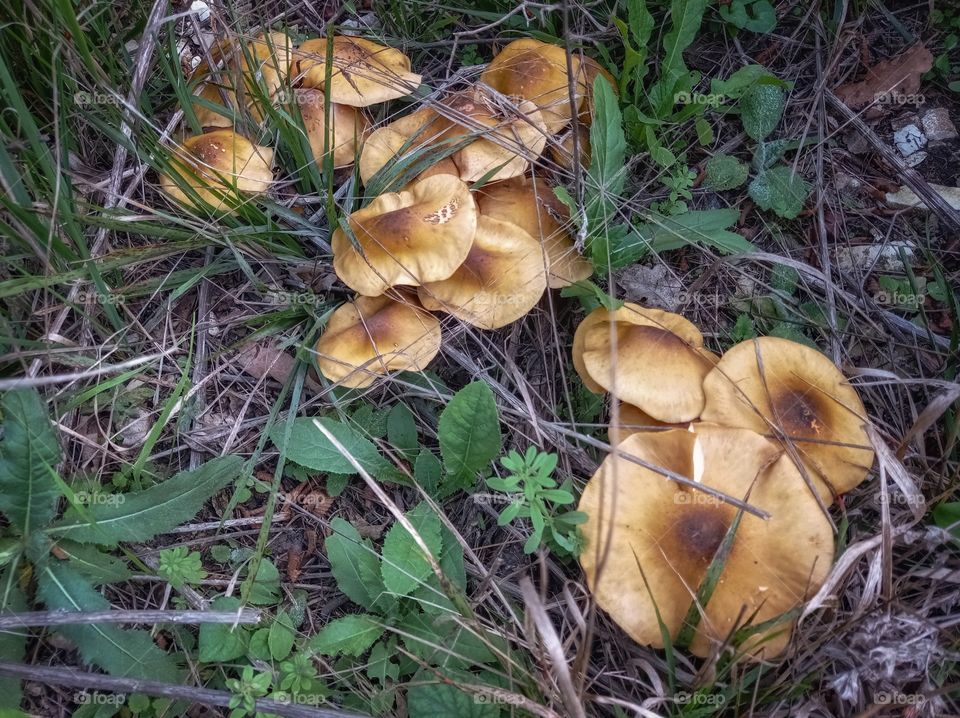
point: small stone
(856, 143)
(909, 140)
(905, 198)
(652, 286)
(915, 159)
(937, 125)
(865, 258)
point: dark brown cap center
(700, 529)
(800, 412)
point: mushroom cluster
(708, 523)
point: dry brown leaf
(263, 360)
(896, 77)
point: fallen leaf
(889, 79)
(263, 360)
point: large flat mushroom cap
(649, 358)
(364, 72)
(774, 385)
(349, 124)
(532, 205)
(419, 235)
(371, 336)
(537, 71)
(500, 281)
(649, 540)
(220, 166)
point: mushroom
(652, 359)
(537, 71)
(364, 72)
(220, 167)
(773, 385)
(257, 67)
(531, 204)
(371, 336)
(421, 234)
(650, 540)
(501, 279)
(487, 139)
(349, 124)
(633, 421)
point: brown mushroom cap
(633, 421)
(407, 238)
(646, 357)
(591, 70)
(794, 389)
(220, 167)
(537, 71)
(532, 205)
(350, 126)
(643, 526)
(253, 68)
(562, 151)
(364, 72)
(371, 336)
(500, 281)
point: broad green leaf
(469, 433)
(259, 646)
(265, 589)
(379, 665)
(281, 636)
(129, 653)
(686, 17)
(349, 635)
(753, 15)
(222, 642)
(608, 146)
(793, 332)
(431, 700)
(761, 108)
(93, 563)
(725, 172)
(141, 515)
(404, 566)
(430, 596)
(947, 516)
(13, 644)
(742, 80)
(780, 190)
(402, 430)
(428, 471)
(29, 454)
(347, 552)
(767, 154)
(309, 447)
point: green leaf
(591, 296)
(259, 646)
(686, 17)
(767, 154)
(753, 15)
(13, 644)
(780, 190)
(404, 566)
(761, 108)
(347, 553)
(725, 172)
(309, 447)
(947, 517)
(608, 146)
(29, 453)
(222, 642)
(430, 700)
(97, 566)
(350, 635)
(428, 472)
(402, 430)
(337, 484)
(265, 589)
(141, 515)
(469, 433)
(129, 653)
(742, 80)
(787, 330)
(281, 637)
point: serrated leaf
(309, 447)
(469, 433)
(607, 142)
(222, 642)
(725, 172)
(761, 108)
(119, 651)
(349, 635)
(780, 190)
(428, 472)
(93, 563)
(430, 700)
(347, 552)
(404, 566)
(141, 515)
(29, 454)
(767, 154)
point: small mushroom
(221, 167)
(532, 205)
(372, 336)
(650, 540)
(537, 71)
(497, 139)
(500, 281)
(254, 68)
(773, 385)
(349, 124)
(418, 235)
(364, 72)
(652, 359)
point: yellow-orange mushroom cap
(632, 421)
(532, 205)
(255, 67)
(652, 359)
(776, 386)
(364, 73)
(500, 281)
(537, 71)
(650, 540)
(221, 167)
(372, 336)
(407, 238)
(349, 124)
